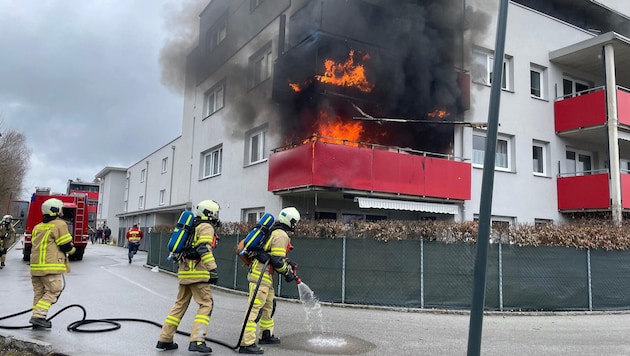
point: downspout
(170, 189)
(146, 182)
(613, 134)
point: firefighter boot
(251, 349)
(268, 339)
(40, 323)
(199, 346)
(166, 345)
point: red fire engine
(74, 213)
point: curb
(26, 344)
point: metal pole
(485, 209)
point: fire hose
(114, 323)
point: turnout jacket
(191, 271)
(6, 229)
(134, 235)
(277, 247)
(50, 242)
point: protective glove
(214, 277)
(289, 275)
(72, 251)
(262, 256)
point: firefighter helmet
(289, 216)
(52, 207)
(207, 209)
(7, 218)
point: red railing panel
(446, 178)
(396, 172)
(583, 192)
(625, 190)
(341, 166)
(623, 107)
(291, 168)
(581, 111)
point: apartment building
(372, 109)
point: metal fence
(430, 274)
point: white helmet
(52, 207)
(207, 209)
(7, 218)
(289, 216)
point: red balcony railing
(372, 168)
(589, 109)
(591, 191)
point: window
(624, 166)
(483, 65)
(141, 202)
(538, 81)
(254, 4)
(542, 222)
(257, 142)
(143, 174)
(212, 161)
(539, 158)
(214, 99)
(164, 164)
(252, 215)
(162, 195)
(574, 87)
(260, 65)
(217, 33)
(503, 157)
(578, 163)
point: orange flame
(346, 74)
(438, 114)
(335, 130)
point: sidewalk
(107, 286)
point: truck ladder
(78, 219)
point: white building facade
(259, 80)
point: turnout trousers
(46, 291)
(202, 295)
(262, 311)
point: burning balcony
(333, 164)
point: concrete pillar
(613, 134)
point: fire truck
(74, 213)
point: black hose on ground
(114, 323)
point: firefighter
(134, 235)
(51, 242)
(196, 270)
(275, 251)
(6, 230)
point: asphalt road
(108, 287)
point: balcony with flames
(336, 164)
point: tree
(14, 160)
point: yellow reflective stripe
(61, 240)
(202, 319)
(266, 324)
(204, 239)
(193, 274)
(208, 257)
(43, 305)
(48, 267)
(282, 269)
(278, 251)
(250, 326)
(266, 276)
(172, 320)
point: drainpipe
(613, 133)
(170, 189)
(146, 183)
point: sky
(82, 80)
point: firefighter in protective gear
(51, 242)
(196, 271)
(6, 231)
(275, 251)
(134, 235)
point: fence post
(343, 270)
(589, 279)
(500, 277)
(422, 273)
(236, 264)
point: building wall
(111, 198)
